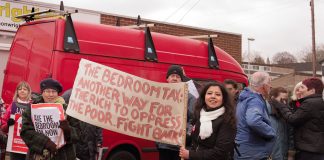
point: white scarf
(21, 101)
(206, 127)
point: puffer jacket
(308, 121)
(255, 136)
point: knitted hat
(52, 84)
(175, 69)
(314, 83)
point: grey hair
(259, 78)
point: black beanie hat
(52, 84)
(175, 69)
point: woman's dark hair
(229, 115)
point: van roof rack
(70, 43)
(46, 14)
(212, 56)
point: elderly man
(255, 136)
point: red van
(54, 47)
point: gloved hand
(10, 122)
(64, 125)
(51, 146)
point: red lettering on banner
(134, 102)
(115, 95)
(76, 106)
(90, 71)
(160, 134)
(165, 92)
(132, 126)
(160, 109)
(128, 83)
(98, 88)
(146, 88)
(143, 115)
(151, 118)
(134, 114)
(99, 115)
(87, 97)
(137, 86)
(113, 78)
(120, 122)
(117, 106)
(171, 94)
(156, 90)
(120, 81)
(123, 111)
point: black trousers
(167, 154)
(304, 155)
(17, 156)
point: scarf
(206, 128)
(21, 101)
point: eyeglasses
(49, 91)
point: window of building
(255, 67)
(266, 68)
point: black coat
(220, 145)
(308, 121)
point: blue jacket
(255, 137)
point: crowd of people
(81, 139)
(224, 123)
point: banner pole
(184, 125)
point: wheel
(122, 155)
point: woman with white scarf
(214, 126)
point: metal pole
(313, 37)
(249, 58)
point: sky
(276, 25)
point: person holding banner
(21, 101)
(171, 152)
(41, 146)
(90, 137)
(215, 126)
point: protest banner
(46, 117)
(15, 143)
(127, 104)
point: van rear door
(30, 57)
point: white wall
(3, 62)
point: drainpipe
(322, 63)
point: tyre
(122, 155)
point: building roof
(306, 66)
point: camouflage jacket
(36, 141)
